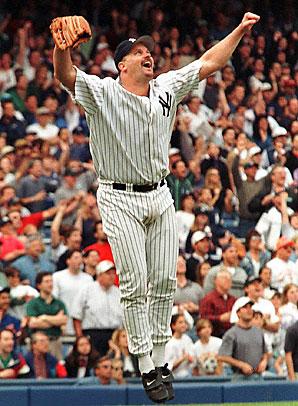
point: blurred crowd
(233, 163)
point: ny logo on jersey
(166, 104)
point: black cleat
(154, 388)
(167, 379)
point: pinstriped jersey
(130, 134)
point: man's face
(36, 169)
(46, 285)
(230, 256)
(75, 261)
(202, 247)
(104, 370)
(180, 170)
(107, 279)
(100, 234)
(138, 64)
(6, 342)
(245, 313)
(35, 248)
(41, 344)
(75, 239)
(4, 301)
(254, 290)
(92, 258)
(181, 266)
(279, 176)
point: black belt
(138, 188)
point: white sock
(158, 355)
(145, 364)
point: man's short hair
(40, 276)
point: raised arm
(217, 56)
(63, 69)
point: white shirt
(45, 133)
(97, 308)
(19, 292)
(135, 129)
(289, 315)
(283, 272)
(174, 350)
(66, 286)
(262, 305)
(8, 78)
(212, 346)
(184, 222)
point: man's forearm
(63, 68)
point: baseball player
(130, 121)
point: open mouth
(147, 64)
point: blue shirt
(29, 266)
(7, 320)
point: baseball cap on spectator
(198, 236)
(101, 46)
(279, 132)
(78, 131)
(174, 151)
(7, 149)
(104, 266)
(5, 289)
(42, 111)
(284, 242)
(249, 164)
(254, 151)
(4, 220)
(30, 130)
(241, 302)
(201, 210)
(265, 86)
(125, 47)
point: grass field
(249, 404)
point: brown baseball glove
(69, 32)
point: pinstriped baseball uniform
(129, 139)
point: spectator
(256, 255)
(201, 223)
(206, 349)
(254, 291)
(42, 364)
(47, 314)
(289, 311)
(44, 129)
(188, 293)
(117, 371)
(282, 268)
(73, 241)
(12, 126)
(246, 191)
(80, 362)
(216, 305)
(102, 371)
(35, 260)
(19, 294)
(230, 263)
(7, 321)
(67, 283)
(185, 218)
(179, 352)
(12, 364)
(265, 276)
(292, 155)
(243, 346)
(31, 188)
(10, 246)
(91, 260)
(291, 350)
(202, 271)
(119, 351)
(79, 149)
(214, 160)
(178, 182)
(101, 245)
(87, 218)
(96, 309)
(200, 242)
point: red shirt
(36, 219)
(103, 249)
(9, 243)
(212, 306)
